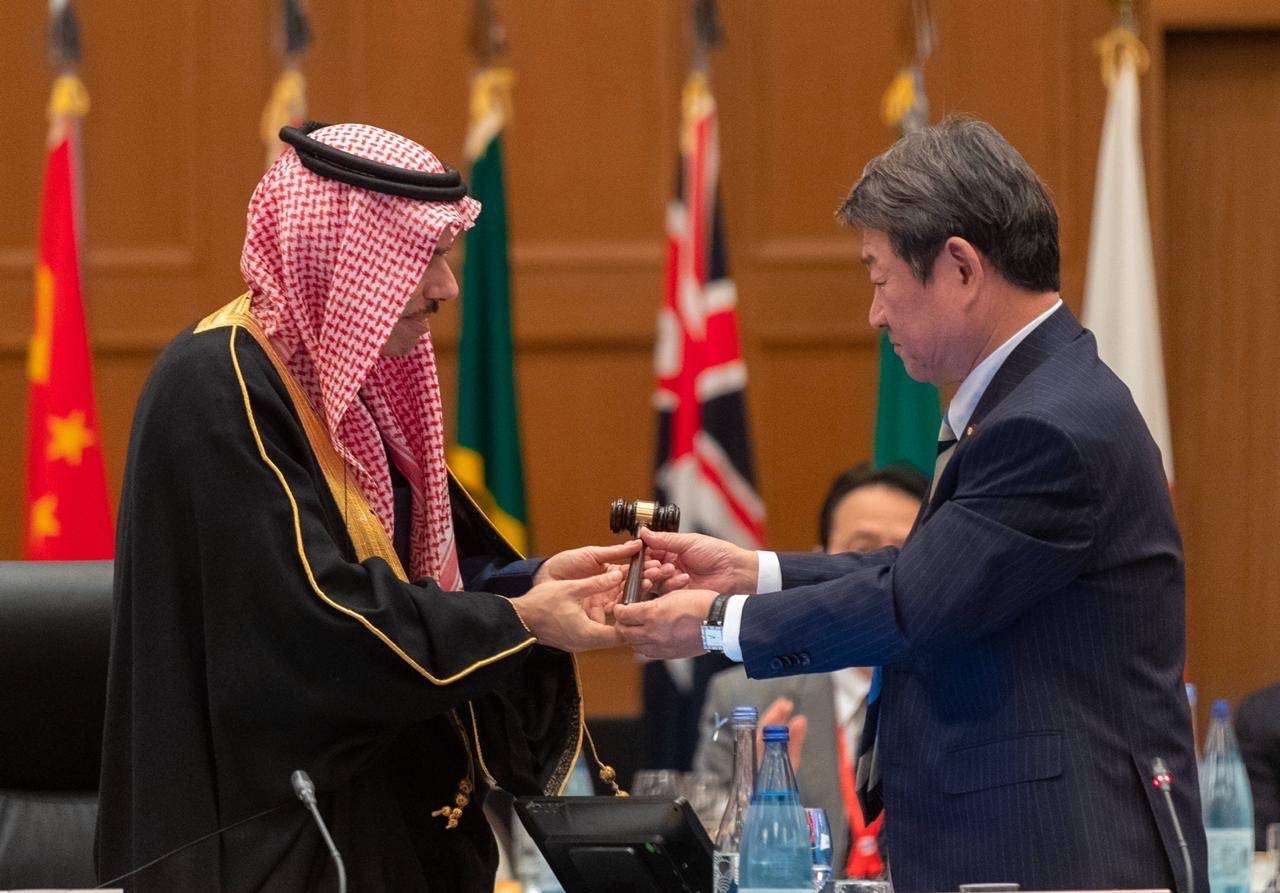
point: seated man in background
(1258, 728)
(865, 510)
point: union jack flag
(703, 459)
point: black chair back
(55, 631)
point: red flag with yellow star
(68, 516)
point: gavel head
(636, 513)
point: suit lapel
(1043, 342)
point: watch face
(712, 637)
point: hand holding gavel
(631, 516)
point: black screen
(620, 844)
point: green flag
(907, 415)
(486, 458)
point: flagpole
(708, 35)
(288, 101)
(488, 35)
(1126, 13)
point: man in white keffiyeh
(330, 268)
(300, 584)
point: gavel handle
(632, 593)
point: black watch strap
(719, 606)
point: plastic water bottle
(1192, 698)
(819, 845)
(724, 871)
(1228, 807)
(775, 837)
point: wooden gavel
(631, 516)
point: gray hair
(960, 178)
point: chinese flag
(68, 516)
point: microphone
(1162, 780)
(306, 792)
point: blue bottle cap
(776, 733)
(745, 714)
(1221, 709)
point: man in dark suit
(1258, 730)
(1031, 629)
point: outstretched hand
(570, 614)
(574, 564)
(670, 626)
(710, 563)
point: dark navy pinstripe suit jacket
(1032, 634)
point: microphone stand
(306, 792)
(1162, 780)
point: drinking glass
(658, 783)
(857, 885)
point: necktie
(946, 446)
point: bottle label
(1230, 856)
(724, 871)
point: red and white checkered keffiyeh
(331, 268)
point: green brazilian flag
(486, 458)
(907, 415)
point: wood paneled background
(172, 152)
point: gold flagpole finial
(1121, 45)
(287, 103)
(904, 105)
(492, 83)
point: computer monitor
(620, 844)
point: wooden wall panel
(1222, 127)
(809, 389)
(24, 99)
(151, 69)
(172, 154)
(603, 187)
(791, 109)
(1211, 15)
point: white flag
(1120, 289)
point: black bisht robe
(249, 641)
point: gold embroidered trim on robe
(368, 534)
(369, 537)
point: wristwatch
(713, 626)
